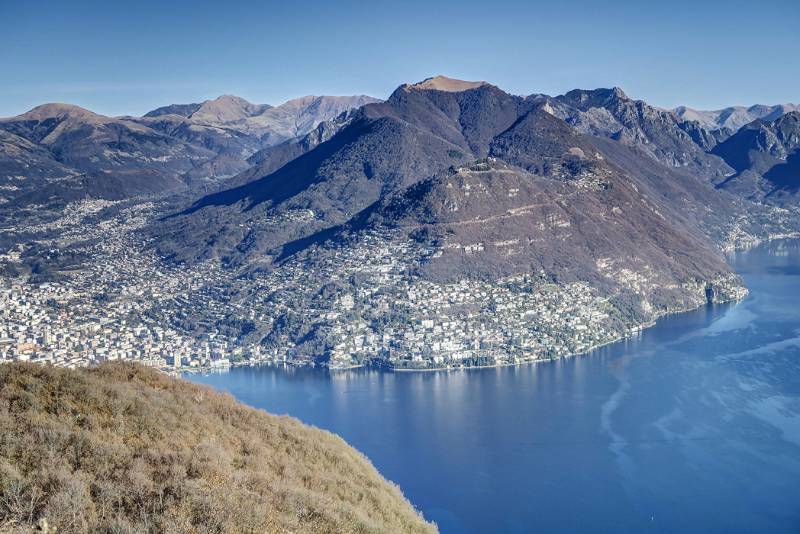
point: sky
(117, 57)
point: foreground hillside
(121, 448)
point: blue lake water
(694, 426)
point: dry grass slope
(121, 448)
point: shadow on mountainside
(288, 181)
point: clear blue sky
(119, 57)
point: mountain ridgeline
(170, 149)
(734, 117)
(766, 158)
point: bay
(692, 426)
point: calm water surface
(694, 426)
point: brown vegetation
(121, 448)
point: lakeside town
(125, 303)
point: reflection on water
(692, 426)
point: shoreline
(638, 329)
(733, 248)
(634, 330)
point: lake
(693, 426)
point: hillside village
(127, 304)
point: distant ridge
(734, 117)
(170, 149)
(59, 110)
(272, 124)
(227, 109)
(766, 157)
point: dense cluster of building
(392, 316)
(108, 309)
(350, 305)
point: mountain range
(610, 205)
(766, 158)
(424, 129)
(58, 148)
(271, 124)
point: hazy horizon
(118, 60)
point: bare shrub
(121, 449)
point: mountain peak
(618, 92)
(227, 108)
(443, 83)
(594, 97)
(230, 99)
(57, 110)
